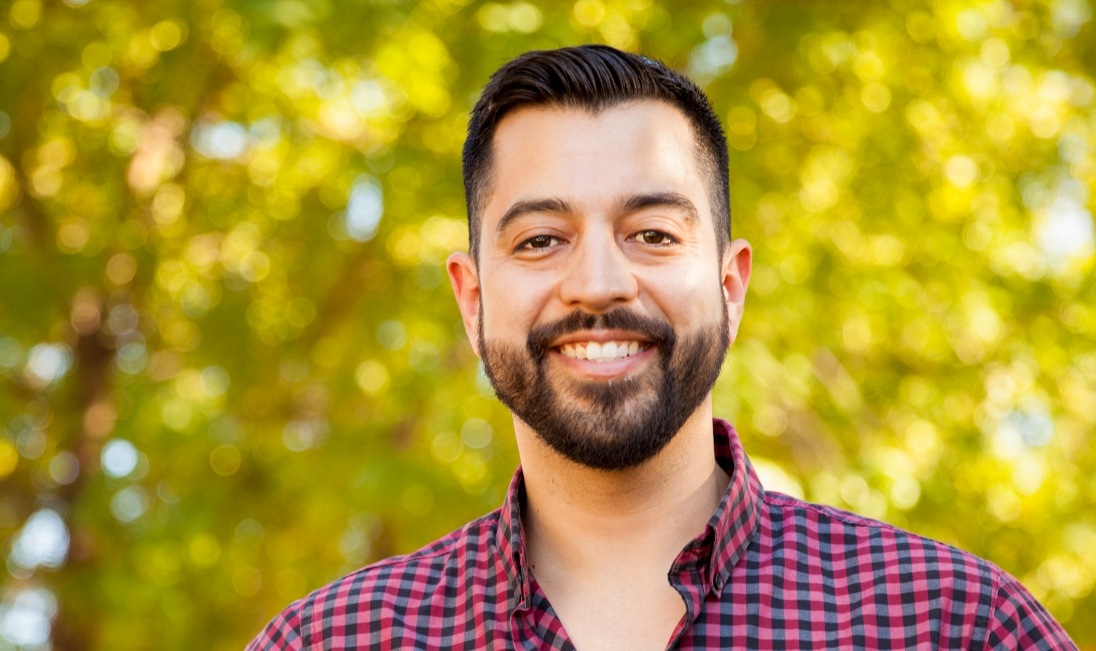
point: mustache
(657, 331)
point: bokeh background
(231, 369)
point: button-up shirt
(767, 572)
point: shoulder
(882, 563)
(360, 604)
(1019, 621)
(835, 532)
(464, 547)
(879, 555)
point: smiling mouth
(604, 351)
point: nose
(599, 275)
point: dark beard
(602, 424)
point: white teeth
(601, 351)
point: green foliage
(229, 357)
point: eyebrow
(663, 200)
(534, 206)
(631, 203)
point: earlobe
(737, 263)
(464, 277)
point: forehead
(587, 158)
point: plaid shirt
(768, 572)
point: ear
(737, 260)
(464, 277)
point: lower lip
(604, 370)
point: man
(602, 291)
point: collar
(736, 520)
(511, 543)
(710, 557)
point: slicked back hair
(594, 78)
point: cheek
(687, 296)
(511, 307)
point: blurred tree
(231, 370)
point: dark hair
(595, 78)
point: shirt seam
(997, 582)
(306, 623)
(788, 502)
(460, 537)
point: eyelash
(527, 245)
(668, 240)
(666, 237)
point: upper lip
(600, 336)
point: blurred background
(231, 369)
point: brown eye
(539, 243)
(654, 237)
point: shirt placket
(689, 576)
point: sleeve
(282, 633)
(1018, 621)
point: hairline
(704, 156)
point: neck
(579, 519)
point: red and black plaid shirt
(768, 572)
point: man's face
(601, 305)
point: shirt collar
(721, 545)
(735, 523)
(511, 544)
